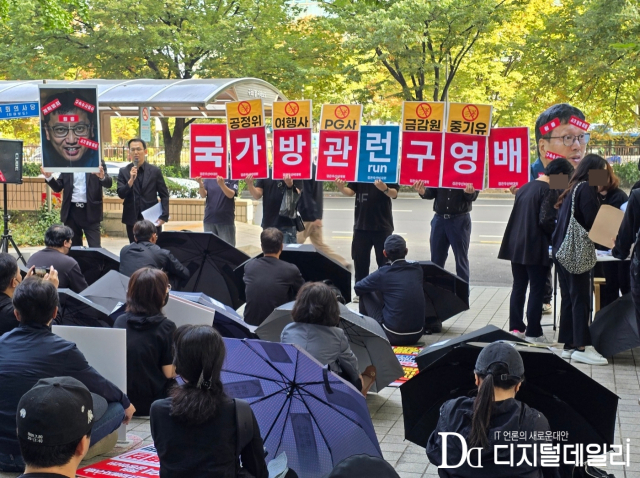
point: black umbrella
(77, 310)
(572, 401)
(314, 266)
(615, 328)
(94, 262)
(486, 334)
(445, 293)
(210, 261)
(110, 291)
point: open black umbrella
(615, 327)
(445, 293)
(77, 310)
(572, 401)
(314, 266)
(94, 262)
(210, 261)
(110, 291)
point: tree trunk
(172, 141)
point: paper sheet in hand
(605, 227)
(153, 213)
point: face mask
(166, 300)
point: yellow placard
(292, 114)
(341, 117)
(245, 114)
(422, 116)
(468, 118)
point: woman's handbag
(288, 207)
(577, 254)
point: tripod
(6, 237)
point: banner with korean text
(208, 145)
(338, 145)
(422, 139)
(508, 157)
(292, 139)
(247, 139)
(379, 147)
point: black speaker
(10, 161)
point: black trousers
(371, 304)
(548, 287)
(130, 232)
(361, 246)
(535, 278)
(635, 285)
(77, 221)
(575, 290)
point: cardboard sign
(469, 119)
(606, 225)
(245, 114)
(140, 463)
(582, 124)
(508, 157)
(339, 141)
(550, 126)
(422, 116)
(292, 153)
(464, 160)
(340, 117)
(292, 114)
(208, 147)
(248, 153)
(378, 159)
(421, 158)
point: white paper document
(153, 213)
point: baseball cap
(395, 243)
(58, 411)
(504, 353)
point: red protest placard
(140, 463)
(292, 153)
(248, 148)
(84, 105)
(88, 143)
(464, 160)
(582, 124)
(551, 125)
(49, 107)
(208, 151)
(337, 155)
(508, 157)
(421, 158)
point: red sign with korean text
(292, 153)
(88, 143)
(248, 148)
(421, 158)
(550, 155)
(508, 157)
(54, 105)
(337, 155)
(582, 124)
(208, 151)
(464, 160)
(550, 126)
(143, 462)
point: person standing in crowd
(372, 224)
(576, 288)
(140, 184)
(220, 207)
(272, 191)
(81, 202)
(199, 417)
(451, 224)
(526, 243)
(58, 240)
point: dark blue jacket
(31, 352)
(400, 285)
(537, 168)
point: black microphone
(135, 162)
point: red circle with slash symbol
(291, 108)
(470, 113)
(244, 108)
(342, 111)
(423, 110)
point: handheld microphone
(135, 162)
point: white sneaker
(546, 308)
(520, 335)
(355, 299)
(537, 340)
(566, 353)
(589, 356)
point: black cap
(504, 353)
(395, 243)
(58, 411)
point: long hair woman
(195, 430)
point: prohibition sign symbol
(145, 114)
(470, 113)
(342, 111)
(291, 108)
(423, 110)
(244, 108)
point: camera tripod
(7, 237)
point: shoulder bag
(577, 254)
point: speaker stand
(7, 237)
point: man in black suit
(140, 184)
(81, 202)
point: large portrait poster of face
(69, 129)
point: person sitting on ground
(489, 420)
(269, 281)
(394, 296)
(316, 316)
(32, 352)
(145, 253)
(150, 370)
(200, 418)
(58, 241)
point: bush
(28, 228)
(31, 169)
(627, 172)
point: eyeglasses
(168, 287)
(81, 130)
(569, 139)
(136, 150)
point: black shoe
(433, 328)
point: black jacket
(586, 210)
(145, 254)
(69, 273)
(450, 201)
(64, 183)
(142, 196)
(8, 320)
(310, 204)
(629, 228)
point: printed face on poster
(379, 147)
(508, 157)
(69, 128)
(247, 139)
(339, 141)
(208, 151)
(292, 140)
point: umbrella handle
(325, 376)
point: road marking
(491, 236)
(351, 233)
(490, 242)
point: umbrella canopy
(615, 328)
(226, 320)
(445, 293)
(110, 291)
(94, 262)
(302, 409)
(77, 310)
(314, 267)
(366, 338)
(571, 400)
(210, 261)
